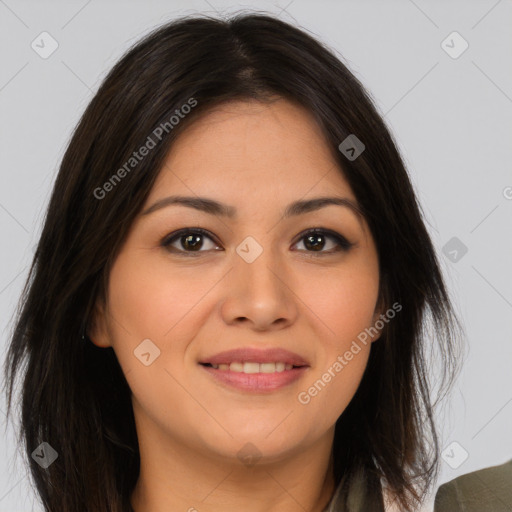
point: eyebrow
(214, 207)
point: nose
(258, 295)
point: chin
(253, 443)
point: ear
(97, 329)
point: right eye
(189, 240)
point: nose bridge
(257, 290)
(258, 267)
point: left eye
(314, 239)
(191, 240)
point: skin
(257, 158)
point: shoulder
(488, 489)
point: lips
(255, 370)
(251, 355)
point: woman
(229, 300)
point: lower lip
(257, 381)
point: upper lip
(253, 355)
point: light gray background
(452, 119)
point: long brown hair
(74, 395)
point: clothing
(486, 490)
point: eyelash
(342, 243)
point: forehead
(252, 147)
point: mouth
(255, 370)
(246, 358)
(251, 367)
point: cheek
(343, 301)
(343, 305)
(331, 388)
(161, 303)
(155, 301)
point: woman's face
(256, 282)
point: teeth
(236, 367)
(267, 367)
(250, 367)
